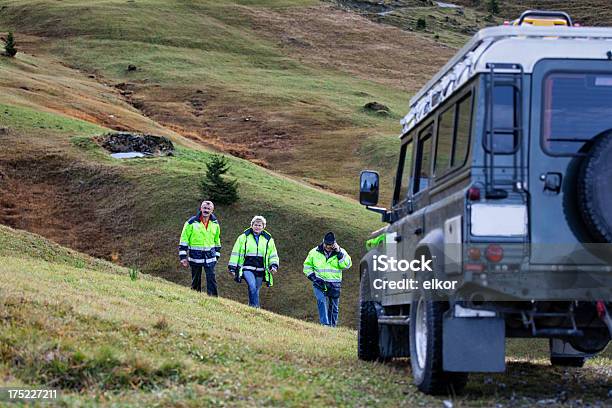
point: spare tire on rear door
(594, 192)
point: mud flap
(561, 348)
(393, 341)
(474, 344)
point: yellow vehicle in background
(544, 19)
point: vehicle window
(444, 141)
(504, 119)
(577, 107)
(404, 172)
(422, 169)
(464, 128)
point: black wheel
(367, 336)
(594, 196)
(426, 350)
(567, 361)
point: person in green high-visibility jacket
(200, 247)
(254, 258)
(324, 266)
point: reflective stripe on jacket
(200, 244)
(326, 268)
(257, 256)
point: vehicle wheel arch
(432, 245)
(367, 262)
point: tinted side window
(577, 107)
(504, 119)
(404, 172)
(422, 170)
(464, 128)
(444, 142)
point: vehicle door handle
(418, 231)
(552, 182)
(398, 238)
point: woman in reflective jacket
(254, 258)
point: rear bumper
(579, 283)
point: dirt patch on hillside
(219, 120)
(41, 82)
(350, 43)
(78, 205)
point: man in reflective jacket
(324, 266)
(255, 258)
(200, 247)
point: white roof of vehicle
(524, 45)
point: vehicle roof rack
(546, 14)
(470, 60)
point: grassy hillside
(266, 81)
(281, 84)
(111, 339)
(447, 25)
(59, 183)
(585, 12)
(454, 22)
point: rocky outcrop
(125, 142)
(377, 108)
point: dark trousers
(196, 278)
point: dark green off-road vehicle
(504, 184)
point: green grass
(110, 340)
(22, 119)
(150, 199)
(210, 45)
(265, 79)
(146, 341)
(298, 215)
(15, 242)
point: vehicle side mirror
(368, 188)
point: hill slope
(453, 23)
(147, 342)
(56, 181)
(282, 84)
(111, 339)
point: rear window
(577, 107)
(504, 120)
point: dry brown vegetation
(347, 42)
(585, 12)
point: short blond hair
(259, 218)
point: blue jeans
(254, 284)
(327, 304)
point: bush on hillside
(493, 7)
(9, 46)
(214, 186)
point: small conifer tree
(214, 186)
(9, 47)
